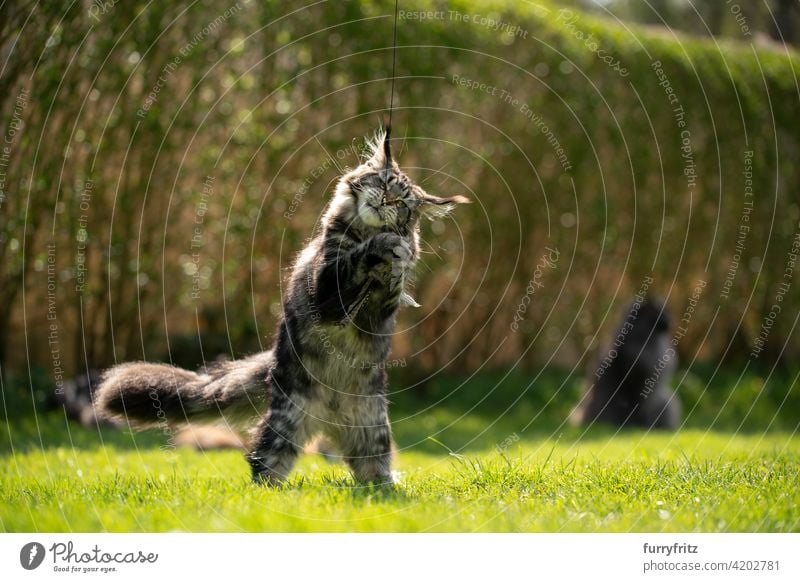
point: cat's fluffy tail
(146, 395)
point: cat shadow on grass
(357, 492)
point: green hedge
(557, 124)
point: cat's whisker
(405, 139)
(431, 249)
(439, 171)
(439, 185)
(330, 157)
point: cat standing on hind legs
(324, 374)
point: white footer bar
(389, 557)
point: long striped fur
(323, 376)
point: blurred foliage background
(164, 162)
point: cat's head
(645, 324)
(378, 195)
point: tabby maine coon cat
(325, 373)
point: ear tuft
(435, 207)
(458, 199)
(380, 150)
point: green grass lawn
(57, 476)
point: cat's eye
(395, 202)
(395, 191)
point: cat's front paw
(390, 259)
(391, 248)
(402, 253)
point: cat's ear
(436, 207)
(381, 150)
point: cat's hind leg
(278, 439)
(367, 444)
